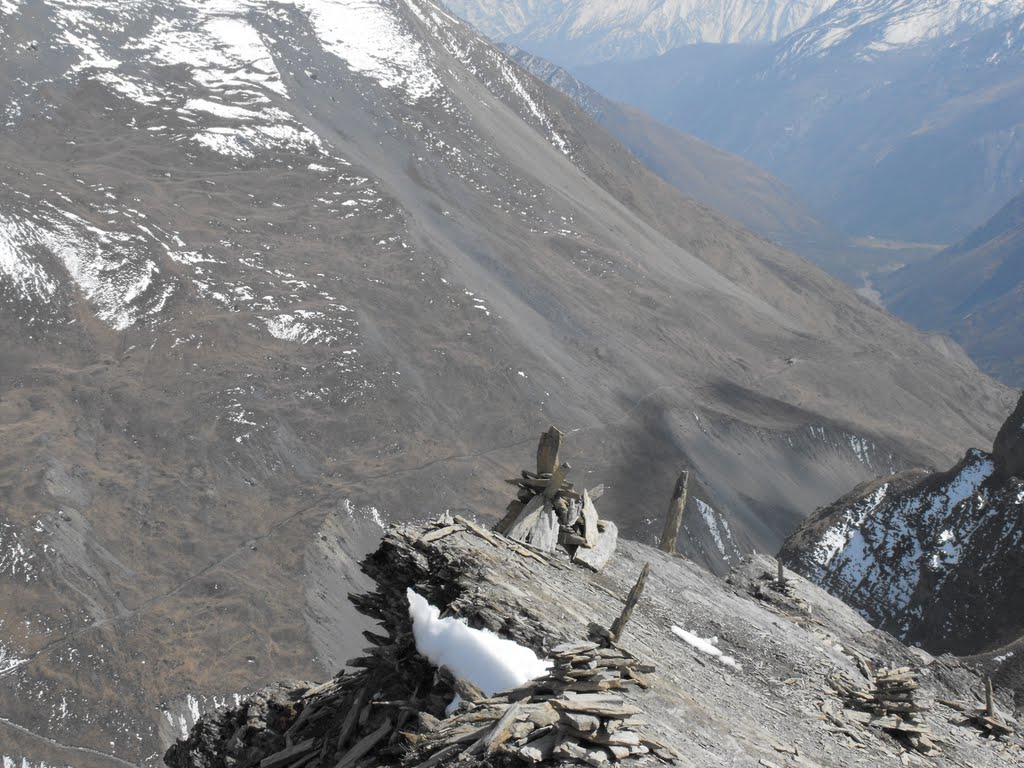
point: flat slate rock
(598, 557)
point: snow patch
(479, 656)
(373, 41)
(705, 646)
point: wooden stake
(631, 601)
(782, 575)
(547, 450)
(674, 521)
(990, 707)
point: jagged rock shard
(547, 450)
(527, 519)
(590, 532)
(544, 534)
(597, 557)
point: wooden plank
(674, 520)
(440, 533)
(477, 530)
(589, 513)
(363, 746)
(555, 483)
(500, 733)
(631, 600)
(285, 756)
(548, 446)
(599, 556)
(351, 719)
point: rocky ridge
(934, 558)
(797, 658)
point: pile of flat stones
(571, 714)
(549, 512)
(889, 703)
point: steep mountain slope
(974, 291)
(263, 263)
(722, 181)
(936, 559)
(575, 32)
(899, 120)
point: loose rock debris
(888, 704)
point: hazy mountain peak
(585, 31)
(871, 27)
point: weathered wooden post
(547, 450)
(782, 576)
(990, 706)
(631, 601)
(674, 521)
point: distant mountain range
(574, 32)
(899, 120)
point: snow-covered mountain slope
(936, 559)
(571, 32)
(273, 273)
(865, 28)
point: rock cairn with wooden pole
(986, 718)
(549, 512)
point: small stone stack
(549, 512)
(569, 714)
(893, 692)
(889, 704)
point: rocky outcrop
(934, 558)
(696, 678)
(1008, 449)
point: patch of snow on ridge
(520, 90)
(837, 538)
(705, 646)
(100, 263)
(221, 52)
(369, 36)
(298, 326)
(9, 7)
(719, 528)
(480, 656)
(28, 277)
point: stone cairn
(887, 704)
(548, 512)
(571, 714)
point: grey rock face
(1008, 449)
